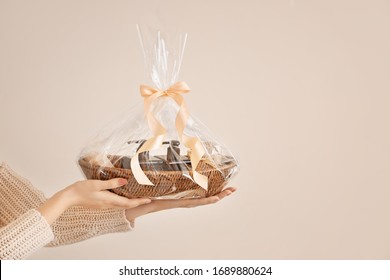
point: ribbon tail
(138, 173)
(192, 143)
(197, 152)
(151, 144)
(201, 180)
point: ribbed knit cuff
(24, 236)
(17, 195)
(80, 223)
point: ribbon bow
(150, 94)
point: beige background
(299, 90)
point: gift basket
(162, 150)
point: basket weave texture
(166, 183)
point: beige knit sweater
(23, 230)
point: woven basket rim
(83, 161)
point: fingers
(159, 205)
(232, 189)
(117, 201)
(195, 202)
(208, 200)
(225, 193)
(110, 184)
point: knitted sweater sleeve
(23, 229)
(24, 236)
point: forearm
(54, 207)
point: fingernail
(122, 181)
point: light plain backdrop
(298, 89)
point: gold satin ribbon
(150, 94)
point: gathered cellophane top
(160, 147)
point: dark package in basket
(162, 150)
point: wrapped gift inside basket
(162, 150)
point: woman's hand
(159, 205)
(88, 193)
(95, 194)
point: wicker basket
(167, 184)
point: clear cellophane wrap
(159, 147)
